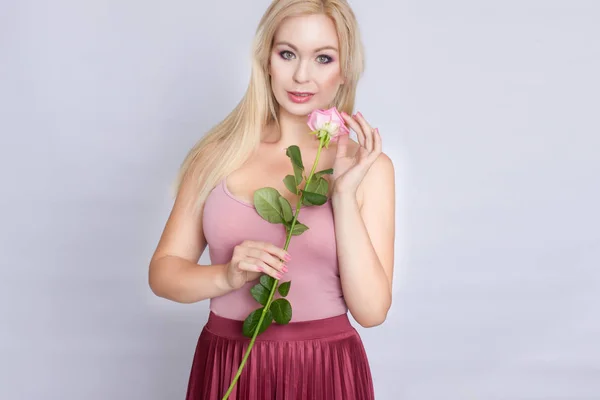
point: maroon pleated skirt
(316, 360)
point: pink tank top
(315, 291)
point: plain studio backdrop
(489, 110)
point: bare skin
(270, 165)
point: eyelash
(281, 54)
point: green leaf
(288, 226)
(299, 229)
(260, 293)
(293, 152)
(298, 174)
(284, 288)
(282, 311)
(286, 209)
(318, 185)
(251, 322)
(267, 281)
(323, 172)
(291, 184)
(266, 202)
(310, 198)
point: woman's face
(304, 64)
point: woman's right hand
(250, 259)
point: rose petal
(330, 120)
(312, 119)
(322, 119)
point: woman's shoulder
(378, 193)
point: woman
(307, 55)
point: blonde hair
(230, 143)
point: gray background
(488, 109)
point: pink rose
(327, 122)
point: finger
(372, 135)
(378, 146)
(267, 258)
(271, 248)
(368, 131)
(249, 266)
(342, 146)
(264, 267)
(355, 126)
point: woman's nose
(301, 73)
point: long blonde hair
(230, 143)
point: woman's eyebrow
(316, 51)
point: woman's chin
(300, 110)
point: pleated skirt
(309, 360)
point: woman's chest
(228, 221)
(268, 171)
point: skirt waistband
(301, 330)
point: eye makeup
(328, 59)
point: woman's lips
(300, 97)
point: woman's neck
(292, 130)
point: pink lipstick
(300, 97)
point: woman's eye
(283, 54)
(288, 55)
(325, 59)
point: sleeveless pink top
(315, 290)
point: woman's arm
(173, 272)
(365, 243)
(183, 281)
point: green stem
(272, 293)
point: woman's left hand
(350, 169)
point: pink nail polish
(287, 257)
(284, 268)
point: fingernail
(284, 268)
(287, 257)
(261, 269)
(278, 275)
(358, 113)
